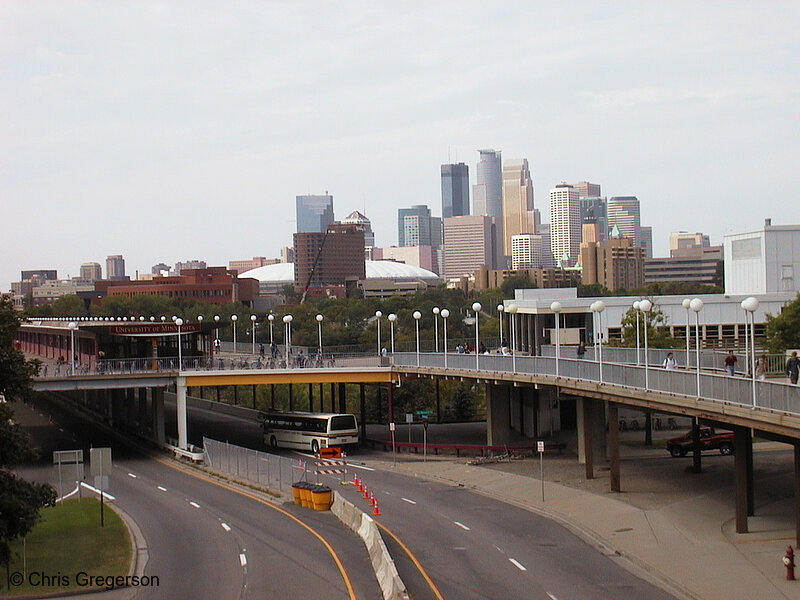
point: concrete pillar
(311, 399)
(585, 435)
(697, 465)
(498, 413)
(530, 409)
(390, 401)
(613, 446)
(158, 414)
(751, 501)
(438, 403)
(181, 414)
(362, 402)
(342, 398)
(549, 410)
(741, 438)
(291, 397)
(141, 418)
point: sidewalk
(687, 545)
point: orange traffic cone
(375, 511)
(372, 501)
(365, 496)
(355, 479)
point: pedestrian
(670, 364)
(730, 362)
(273, 350)
(761, 368)
(460, 349)
(301, 359)
(261, 350)
(793, 367)
(482, 349)
(581, 350)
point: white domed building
(384, 278)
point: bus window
(343, 422)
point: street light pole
(72, 327)
(270, 318)
(179, 322)
(445, 313)
(556, 308)
(645, 305)
(686, 303)
(287, 339)
(319, 334)
(253, 331)
(599, 306)
(697, 305)
(636, 310)
(500, 309)
(511, 309)
(379, 314)
(392, 318)
(234, 318)
(416, 314)
(436, 312)
(216, 335)
(476, 307)
(750, 305)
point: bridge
(525, 394)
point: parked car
(709, 440)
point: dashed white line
(551, 596)
(243, 559)
(195, 504)
(464, 527)
(225, 526)
(162, 488)
(407, 500)
(61, 430)
(499, 549)
(131, 475)
(517, 564)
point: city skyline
(143, 150)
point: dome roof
(376, 269)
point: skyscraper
(115, 267)
(356, 218)
(416, 227)
(331, 258)
(470, 242)
(91, 271)
(487, 193)
(526, 251)
(595, 210)
(586, 189)
(565, 224)
(314, 213)
(518, 215)
(623, 211)
(455, 190)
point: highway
(205, 540)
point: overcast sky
(167, 131)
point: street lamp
(216, 324)
(445, 313)
(476, 307)
(436, 312)
(287, 338)
(636, 310)
(179, 322)
(645, 306)
(750, 305)
(253, 331)
(319, 334)
(234, 318)
(378, 315)
(72, 327)
(556, 308)
(511, 309)
(270, 318)
(392, 318)
(697, 305)
(598, 307)
(417, 315)
(686, 303)
(500, 309)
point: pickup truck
(709, 440)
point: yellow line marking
(413, 558)
(351, 593)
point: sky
(169, 131)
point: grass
(68, 540)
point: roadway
(205, 540)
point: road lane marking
(61, 430)
(162, 488)
(225, 526)
(195, 504)
(72, 493)
(91, 488)
(243, 560)
(131, 475)
(409, 501)
(464, 527)
(517, 564)
(414, 560)
(551, 596)
(499, 549)
(360, 467)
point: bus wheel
(314, 446)
(273, 443)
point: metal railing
(261, 468)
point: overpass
(525, 394)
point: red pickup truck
(709, 440)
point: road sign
(100, 459)
(409, 417)
(540, 446)
(391, 426)
(68, 457)
(424, 413)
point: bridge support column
(751, 501)
(498, 414)
(311, 398)
(181, 414)
(741, 439)
(342, 398)
(585, 435)
(333, 399)
(438, 403)
(362, 403)
(697, 464)
(390, 401)
(291, 397)
(613, 446)
(157, 395)
(141, 417)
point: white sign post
(540, 450)
(100, 459)
(409, 421)
(392, 427)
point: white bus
(309, 431)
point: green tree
(69, 305)
(462, 404)
(657, 334)
(783, 330)
(20, 500)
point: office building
(543, 230)
(160, 269)
(455, 190)
(684, 239)
(623, 212)
(287, 254)
(518, 215)
(762, 260)
(538, 278)
(646, 240)
(314, 213)
(357, 218)
(701, 264)
(189, 264)
(91, 271)
(594, 209)
(41, 274)
(416, 227)
(425, 257)
(487, 193)
(614, 263)
(332, 258)
(470, 242)
(587, 190)
(52, 289)
(526, 251)
(115, 267)
(565, 225)
(240, 266)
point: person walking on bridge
(730, 362)
(793, 367)
(670, 364)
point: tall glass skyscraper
(416, 227)
(314, 213)
(623, 211)
(487, 194)
(518, 215)
(455, 190)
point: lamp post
(216, 324)
(645, 306)
(500, 309)
(697, 305)
(445, 313)
(417, 315)
(750, 305)
(511, 309)
(379, 314)
(179, 322)
(556, 308)
(270, 318)
(686, 303)
(436, 312)
(234, 318)
(253, 331)
(287, 338)
(199, 322)
(72, 327)
(636, 310)
(319, 335)
(392, 318)
(476, 307)
(598, 307)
